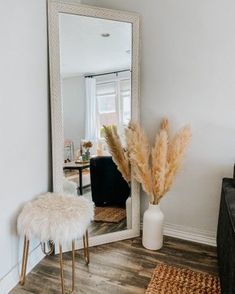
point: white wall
(188, 75)
(24, 124)
(73, 92)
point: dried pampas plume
(176, 153)
(139, 152)
(159, 164)
(157, 175)
(119, 155)
(164, 125)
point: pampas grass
(155, 168)
(139, 152)
(175, 155)
(119, 154)
(156, 172)
(159, 164)
(164, 125)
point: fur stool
(57, 218)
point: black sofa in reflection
(107, 184)
(226, 237)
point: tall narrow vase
(153, 228)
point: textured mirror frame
(54, 9)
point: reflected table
(80, 167)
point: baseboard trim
(189, 234)
(11, 279)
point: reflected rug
(169, 279)
(109, 214)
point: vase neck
(155, 207)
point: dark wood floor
(123, 267)
(99, 228)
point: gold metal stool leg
(61, 268)
(86, 247)
(73, 265)
(24, 261)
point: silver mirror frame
(55, 7)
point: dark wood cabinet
(226, 237)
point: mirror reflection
(95, 64)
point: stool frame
(86, 256)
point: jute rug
(172, 280)
(110, 214)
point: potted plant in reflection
(86, 155)
(155, 168)
(121, 159)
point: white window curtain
(91, 112)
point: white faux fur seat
(56, 217)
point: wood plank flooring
(99, 228)
(123, 267)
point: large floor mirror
(94, 73)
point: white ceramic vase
(153, 228)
